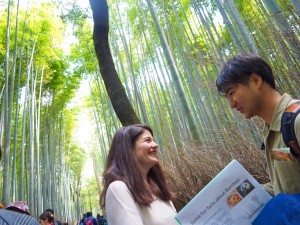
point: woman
(135, 191)
(46, 218)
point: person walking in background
(248, 83)
(82, 219)
(135, 190)
(46, 218)
(101, 219)
(90, 220)
(56, 222)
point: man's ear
(256, 79)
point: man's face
(245, 98)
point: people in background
(135, 190)
(46, 218)
(81, 222)
(56, 222)
(19, 206)
(248, 83)
(17, 213)
(89, 219)
(101, 219)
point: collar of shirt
(284, 101)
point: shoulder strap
(288, 128)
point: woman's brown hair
(122, 165)
(47, 216)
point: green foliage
(74, 14)
(286, 5)
(82, 55)
(89, 195)
(44, 30)
(43, 24)
(63, 83)
(76, 159)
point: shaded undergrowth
(188, 172)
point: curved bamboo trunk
(109, 74)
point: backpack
(104, 221)
(288, 128)
(88, 221)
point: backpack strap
(288, 128)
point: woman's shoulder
(117, 185)
(118, 190)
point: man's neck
(269, 104)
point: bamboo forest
(64, 94)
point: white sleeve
(120, 206)
(297, 128)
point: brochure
(233, 197)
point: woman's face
(44, 222)
(145, 150)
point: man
(8, 217)
(248, 83)
(82, 219)
(19, 206)
(17, 213)
(90, 220)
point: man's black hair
(88, 214)
(50, 210)
(239, 69)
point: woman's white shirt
(121, 208)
